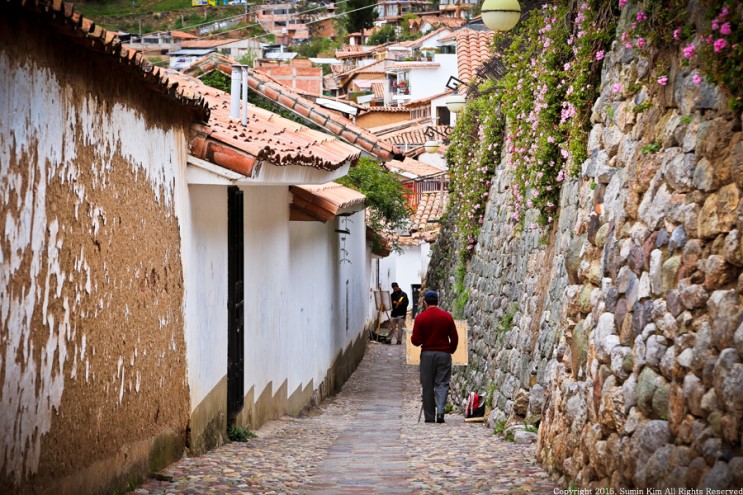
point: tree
(385, 195)
(383, 35)
(361, 15)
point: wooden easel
(383, 302)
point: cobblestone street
(366, 439)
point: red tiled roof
(430, 207)
(324, 202)
(412, 136)
(473, 49)
(397, 126)
(412, 166)
(427, 99)
(268, 137)
(70, 23)
(450, 22)
(377, 67)
(273, 90)
(206, 43)
(183, 35)
(414, 65)
(422, 39)
(335, 124)
(378, 89)
(385, 109)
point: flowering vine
(472, 156)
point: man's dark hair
(394, 285)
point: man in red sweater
(435, 332)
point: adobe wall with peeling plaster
(626, 338)
(93, 387)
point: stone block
(694, 391)
(647, 384)
(678, 168)
(694, 296)
(733, 250)
(718, 213)
(726, 312)
(669, 273)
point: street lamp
(431, 146)
(455, 103)
(500, 15)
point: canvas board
(382, 297)
(459, 358)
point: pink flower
(532, 226)
(725, 29)
(663, 80)
(622, 3)
(625, 35)
(641, 42)
(677, 33)
(715, 25)
(689, 50)
(720, 44)
(725, 11)
(641, 16)
(697, 79)
(600, 55)
(628, 45)
(617, 88)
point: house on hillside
(426, 23)
(161, 260)
(458, 9)
(392, 11)
(298, 74)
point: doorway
(235, 304)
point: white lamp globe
(431, 146)
(500, 15)
(455, 103)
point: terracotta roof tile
(414, 65)
(275, 91)
(325, 201)
(413, 136)
(427, 100)
(336, 124)
(72, 24)
(268, 137)
(430, 207)
(183, 35)
(412, 167)
(473, 49)
(378, 89)
(206, 43)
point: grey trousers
(397, 325)
(435, 370)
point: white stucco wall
(302, 305)
(204, 255)
(403, 268)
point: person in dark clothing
(399, 311)
(436, 334)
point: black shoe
(440, 418)
(430, 421)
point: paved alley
(365, 440)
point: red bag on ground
(475, 407)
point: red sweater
(434, 330)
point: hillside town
(209, 215)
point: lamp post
(431, 146)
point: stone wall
(621, 327)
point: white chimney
(239, 78)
